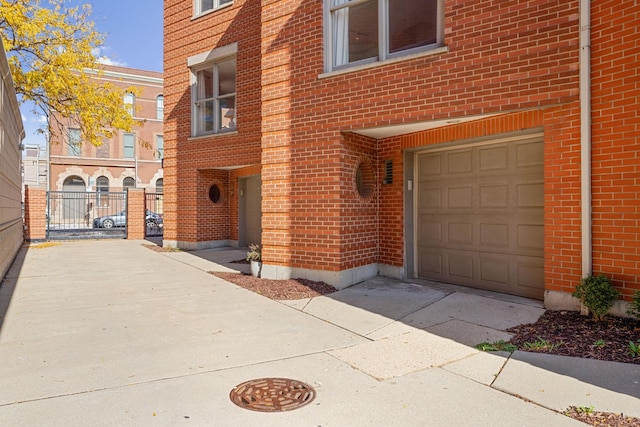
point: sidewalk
(112, 333)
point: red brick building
(128, 159)
(444, 140)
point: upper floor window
(214, 97)
(202, 6)
(130, 103)
(160, 146)
(74, 143)
(364, 31)
(128, 140)
(160, 107)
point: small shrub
(635, 304)
(597, 294)
(255, 252)
(600, 343)
(634, 348)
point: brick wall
(515, 60)
(502, 57)
(136, 213)
(35, 213)
(615, 142)
(189, 215)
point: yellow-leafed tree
(51, 50)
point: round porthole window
(214, 193)
(364, 179)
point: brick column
(136, 226)
(35, 214)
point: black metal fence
(86, 215)
(155, 214)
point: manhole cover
(272, 394)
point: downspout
(585, 134)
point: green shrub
(597, 294)
(635, 304)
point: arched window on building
(102, 188)
(159, 185)
(128, 182)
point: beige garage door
(480, 216)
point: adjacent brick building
(440, 140)
(128, 159)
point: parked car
(120, 220)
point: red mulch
(278, 289)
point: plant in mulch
(595, 418)
(580, 336)
(597, 294)
(541, 345)
(634, 310)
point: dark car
(120, 220)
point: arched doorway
(74, 205)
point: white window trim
(198, 63)
(197, 12)
(124, 146)
(383, 56)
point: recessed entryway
(480, 215)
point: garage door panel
(530, 236)
(431, 233)
(480, 217)
(431, 263)
(460, 233)
(460, 265)
(494, 271)
(494, 196)
(459, 162)
(494, 235)
(460, 197)
(530, 273)
(493, 158)
(529, 154)
(530, 194)
(430, 198)
(430, 165)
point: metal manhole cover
(272, 394)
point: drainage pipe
(585, 135)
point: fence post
(35, 214)
(136, 225)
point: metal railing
(86, 215)
(155, 214)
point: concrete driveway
(106, 333)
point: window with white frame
(214, 97)
(128, 140)
(363, 31)
(160, 146)
(130, 103)
(160, 107)
(74, 143)
(202, 6)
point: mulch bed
(602, 419)
(581, 336)
(291, 289)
